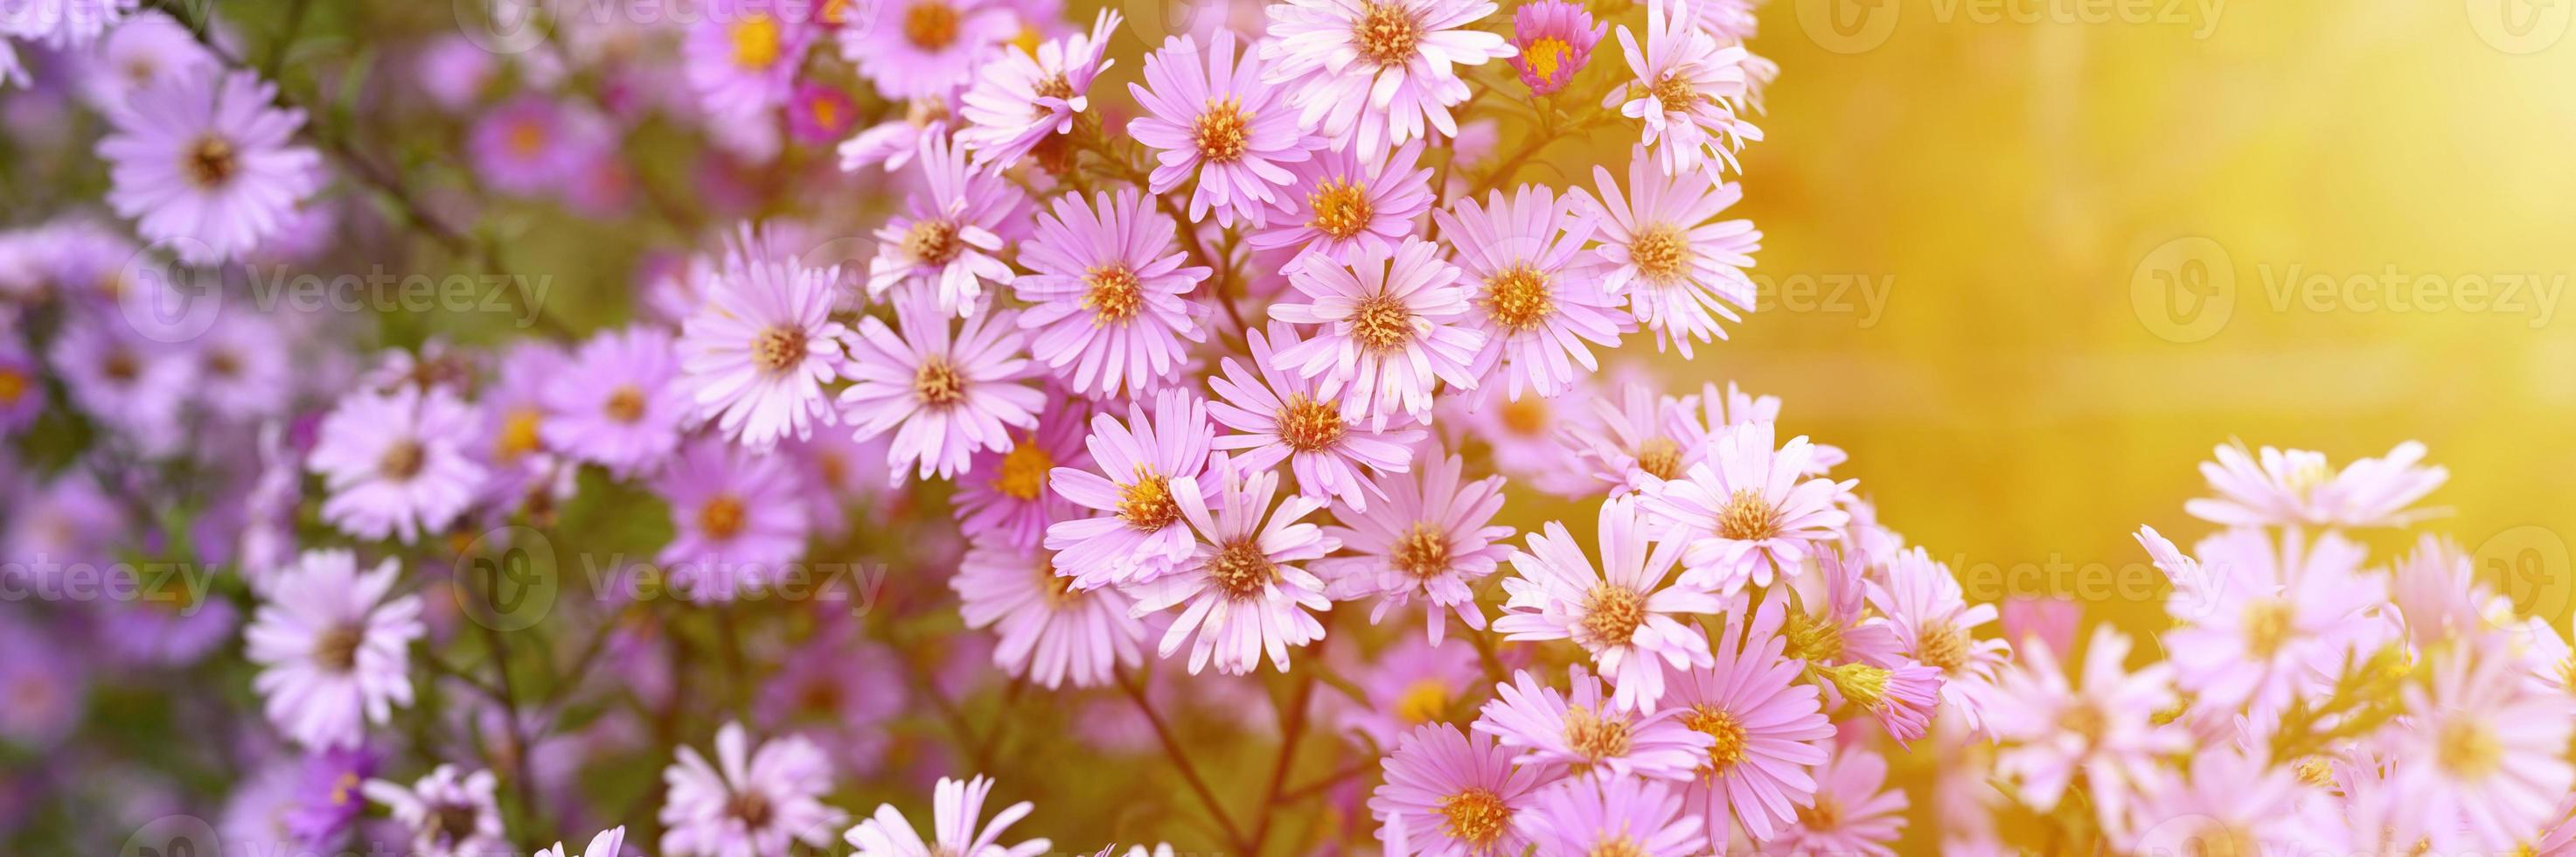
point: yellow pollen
(932, 242)
(2468, 750)
(930, 25)
(1661, 253)
(1518, 298)
(518, 434)
(1862, 684)
(1059, 588)
(721, 518)
(1423, 701)
(1053, 86)
(2266, 625)
(824, 111)
(1423, 552)
(1306, 425)
(1241, 570)
(1381, 323)
(1594, 737)
(1527, 417)
(1824, 815)
(1387, 35)
(1612, 613)
(1941, 645)
(625, 404)
(2086, 722)
(1720, 724)
(1223, 131)
(1113, 295)
(402, 460)
(938, 383)
(778, 348)
(1545, 55)
(1341, 208)
(1146, 504)
(13, 385)
(1475, 816)
(527, 137)
(1812, 639)
(1748, 517)
(1660, 457)
(1617, 846)
(2316, 772)
(1024, 470)
(756, 42)
(1677, 93)
(211, 162)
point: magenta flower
(750, 801)
(758, 348)
(524, 146)
(1008, 496)
(334, 648)
(819, 113)
(894, 141)
(1045, 630)
(1766, 728)
(204, 163)
(1621, 612)
(395, 463)
(619, 404)
(1211, 116)
(1110, 293)
(133, 386)
(1584, 732)
(2233, 800)
(1369, 74)
(1554, 39)
(956, 222)
(917, 48)
(945, 394)
(741, 56)
(1244, 582)
(1681, 273)
(1539, 297)
(1433, 537)
(737, 518)
(1462, 790)
(1022, 98)
(1612, 816)
(1139, 464)
(1686, 91)
(1344, 199)
(1747, 514)
(1280, 417)
(1393, 326)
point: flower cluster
(1094, 407)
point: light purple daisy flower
(1621, 816)
(1638, 438)
(2276, 487)
(1394, 325)
(1045, 630)
(203, 162)
(1464, 788)
(1749, 512)
(245, 371)
(756, 352)
(915, 48)
(1110, 294)
(736, 516)
(1624, 612)
(751, 801)
(131, 385)
(395, 463)
(894, 141)
(945, 394)
(741, 56)
(609, 843)
(1020, 98)
(956, 807)
(145, 49)
(1584, 732)
(334, 650)
(619, 404)
(1244, 582)
(1686, 90)
(22, 387)
(1767, 728)
(170, 621)
(1554, 39)
(830, 688)
(1854, 813)
(1370, 73)
(62, 24)
(1680, 272)
(1344, 199)
(510, 439)
(955, 224)
(1008, 497)
(1540, 297)
(450, 814)
(1278, 416)
(1432, 538)
(1934, 625)
(45, 680)
(1211, 116)
(1139, 464)
(524, 147)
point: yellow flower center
(1748, 517)
(1941, 645)
(1518, 298)
(1719, 724)
(1594, 737)
(1024, 470)
(756, 42)
(625, 404)
(721, 518)
(1113, 295)
(2267, 625)
(13, 385)
(1612, 613)
(1475, 816)
(1660, 457)
(1241, 570)
(1527, 417)
(1545, 55)
(518, 434)
(1222, 131)
(1388, 34)
(778, 348)
(1423, 552)
(1146, 504)
(1661, 252)
(938, 383)
(2468, 750)
(1306, 425)
(1423, 701)
(1381, 323)
(932, 242)
(1676, 92)
(930, 25)
(211, 162)
(1341, 208)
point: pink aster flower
(2258, 626)
(1244, 581)
(62, 24)
(449, 813)
(1746, 513)
(1369, 74)
(1405, 684)
(1432, 538)
(619, 403)
(1686, 90)
(2485, 756)
(894, 141)
(203, 162)
(395, 463)
(1766, 728)
(609, 843)
(752, 801)
(335, 652)
(1110, 293)
(1139, 465)
(1585, 733)
(1636, 439)
(1394, 325)
(1935, 625)
(1464, 790)
(147, 48)
(2232, 804)
(819, 113)
(736, 518)
(945, 244)
(524, 146)
(1344, 199)
(2103, 729)
(1008, 496)
(1681, 273)
(2276, 487)
(757, 350)
(1045, 630)
(22, 388)
(956, 809)
(1854, 812)
(916, 48)
(945, 394)
(1622, 612)
(131, 385)
(1554, 40)
(1023, 98)
(1211, 116)
(1539, 297)
(1279, 417)
(741, 56)
(1612, 816)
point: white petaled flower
(1686, 92)
(61, 24)
(757, 351)
(204, 163)
(396, 464)
(1022, 98)
(609, 843)
(2274, 487)
(1622, 612)
(449, 814)
(1371, 74)
(334, 650)
(956, 808)
(2483, 757)
(1682, 274)
(750, 801)
(1750, 512)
